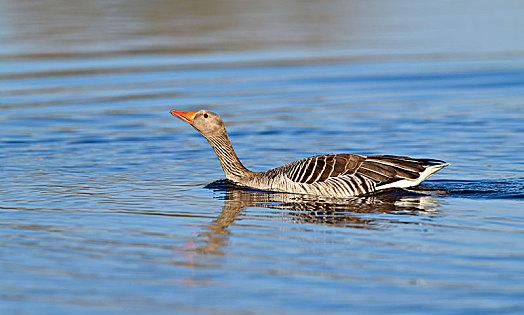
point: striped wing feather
(363, 172)
(320, 168)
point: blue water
(110, 205)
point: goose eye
(206, 115)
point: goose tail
(426, 168)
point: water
(108, 204)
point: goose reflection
(308, 210)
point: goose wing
(317, 169)
(361, 174)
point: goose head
(208, 123)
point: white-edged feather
(405, 183)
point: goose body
(331, 175)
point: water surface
(108, 204)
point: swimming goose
(330, 175)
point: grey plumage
(331, 175)
(345, 175)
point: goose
(330, 175)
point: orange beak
(185, 116)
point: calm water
(108, 203)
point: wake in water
(484, 189)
